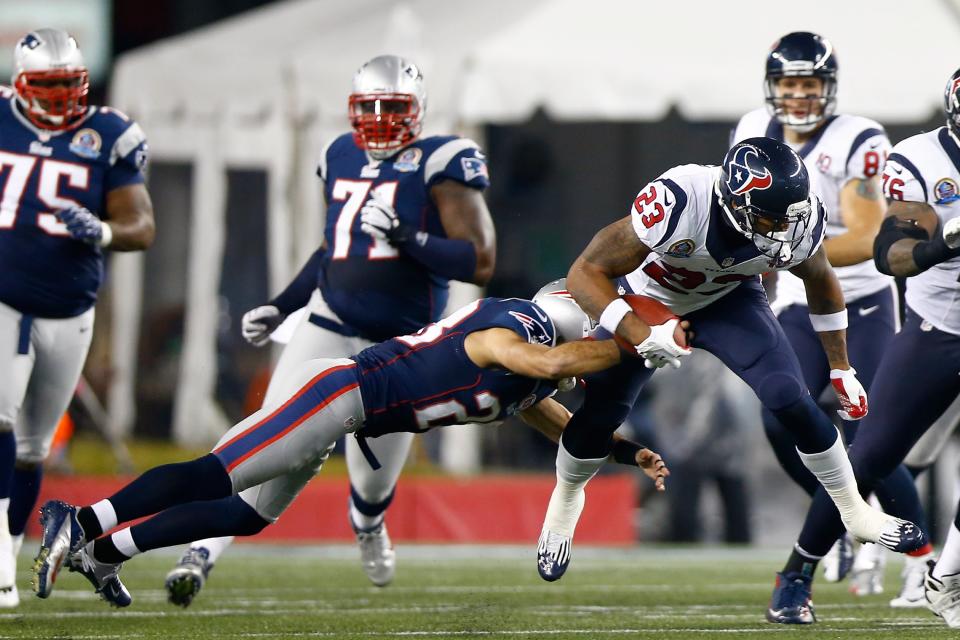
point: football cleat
(61, 536)
(873, 525)
(9, 597)
(943, 595)
(866, 578)
(911, 592)
(377, 556)
(103, 576)
(839, 560)
(790, 602)
(553, 555)
(185, 580)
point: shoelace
(554, 545)
(795, 589)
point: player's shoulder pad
(907, 163)
(818, 224)
(528, 320)
(751, 124)
(658, 210)
(855, 135)
(333, 148)
(117, 132)
(460, 159)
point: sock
(23, 496)
(949, 562)
(8, 458)
(172, 484)
(214, 546)
(832, 468)
(801, 562)
(17, 544)
(116, 548)
(97, 519)
(566, 502)
(196, 521)
(366, 516)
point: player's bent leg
(371, 492)
(563, 512)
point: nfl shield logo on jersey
(743, 177)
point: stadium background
(577, 107)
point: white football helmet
(50, 78)
(569, 320)
(387, 105)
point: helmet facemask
(384, 123)
(53, 99)
(819, 106)
(951, 104)
(775, 234)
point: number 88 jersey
(696, 256)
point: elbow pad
(892, 230)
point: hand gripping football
(652, 312)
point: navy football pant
(741, 330)
(872, 325)
(918, 378)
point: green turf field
(463, 592)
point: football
(652, 312)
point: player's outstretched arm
(550, 418)
(911, 239)
(505, 348)
(614, 251)
(130, 216)
(861, 209)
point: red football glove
(853, 398)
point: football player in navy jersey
(490, 359)
(844, 156)
(72, 181)
(405, 215)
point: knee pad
(778, 391)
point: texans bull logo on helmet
(742, 176)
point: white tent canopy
(266, 88)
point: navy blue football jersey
(46, 273)
(424, 380)
(374, 288)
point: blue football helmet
(764, 191)
(802, 54)
(951, 103)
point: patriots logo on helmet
(742, 177)
(30, 41)
(536, 332)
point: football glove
(380, 220)
(853, 398)
(951, 233)
(258, 323)
(660, 349)
(82, 224)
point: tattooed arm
(614, 251)
(861, 209)
(824, 297)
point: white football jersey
(926, 168)
(845, 148)
(697, 256)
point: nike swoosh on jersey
(895, 169)
(865, 311)
(540, 314)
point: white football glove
(853, 398)
(951, 233)
(259, 323)
(82, 224)
(660, 349)
(380, 220)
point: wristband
(106, 234)
(625, 452)
(829, 321)
(613, 314)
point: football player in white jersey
(844, 155)
(405, 215)
(697, 239)
(918, 376)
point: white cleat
(185, 580)
(911, 593)
(9, 597)
(553, 555)
(873, 525)
(943, 596)
(377, 556)
(866, 578)
(839, 560)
